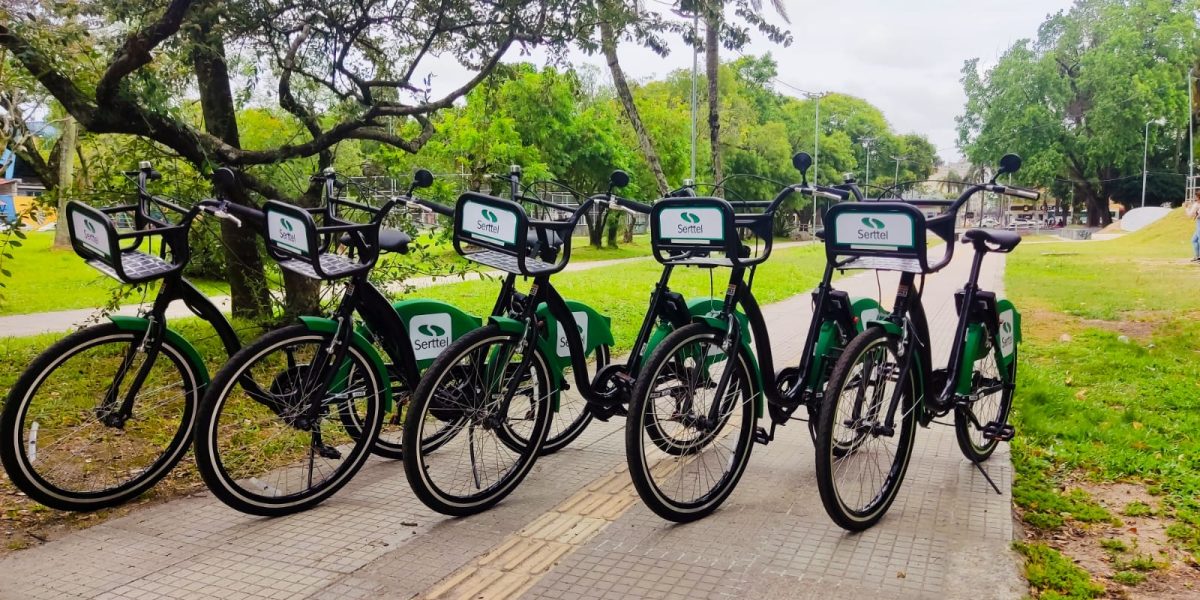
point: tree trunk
(628, 237)
(712, 63)
(243, 263)
(65, 148)
(608, 43)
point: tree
(1074, 101)
(345, 71)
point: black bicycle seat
(390, 240)
(992, 240)
(552, 239)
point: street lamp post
(867, 144)
(816, 98)
(896, 182)
(1146, 153)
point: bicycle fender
(432, 326)
(758, 384)
(887, 326)
(866, 310)
(972, 346)
(141, 325)
(826, 338)
(323, 325)
(507, 325)
(593, 327)
(1009, 335)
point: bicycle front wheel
(69, 438)
(686, 447)
(863, 448)
(270, 440)
(990, 401)
(499, 401)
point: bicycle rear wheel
(259, 445)
(990, 402)
(63, 438)
(496, 439)
(687, 448)
(863, 452)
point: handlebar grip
(1023, 193)
(833, 193)
(440, 209)
(634, 205)
(155, 175)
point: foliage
(1074, 101)
(1099, 407)
(1053, 576)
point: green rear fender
(189, 351)
(432, 326)
(323, 325)
(1009, 336)
(866, 310)
(594, 328)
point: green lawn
(1109, 392)
(44, 279)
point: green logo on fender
(1006, 326)
(873, 223)
(431, 330)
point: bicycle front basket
(95, 238)
(887, 236)
(294, 240)
(694, 231)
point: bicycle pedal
(329, 452)
(999, 431)
(762, 436)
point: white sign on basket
(91, 233)
(288, 232)
(488, 223)
(1008, 333)
(692, 224)
(429, 334)
(874, 230)
(581, 324)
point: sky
(904, 57)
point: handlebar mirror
(224, 179)
(803, 162)
(1010, 163)
(618, 179)
(422, 178)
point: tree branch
(135, 52)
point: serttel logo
(872, 223)
(431, 330)
(1006, 326)
(90, 227)
(489, 215)
(429, 334)
(690, 217)
(286, 224)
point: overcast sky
(902, 56)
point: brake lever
(222, 214)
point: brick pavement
(574, 529)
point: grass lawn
(1107, 413)
(44, 279)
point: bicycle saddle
(992, 240)
(390, 240)
(552, 240)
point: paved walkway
(68, 320)
(575, 528)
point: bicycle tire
(17, 446)
(438, 392)
(679, 457)
(829, 464)
(967, 428)
(217, 467)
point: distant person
(1193, 213)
